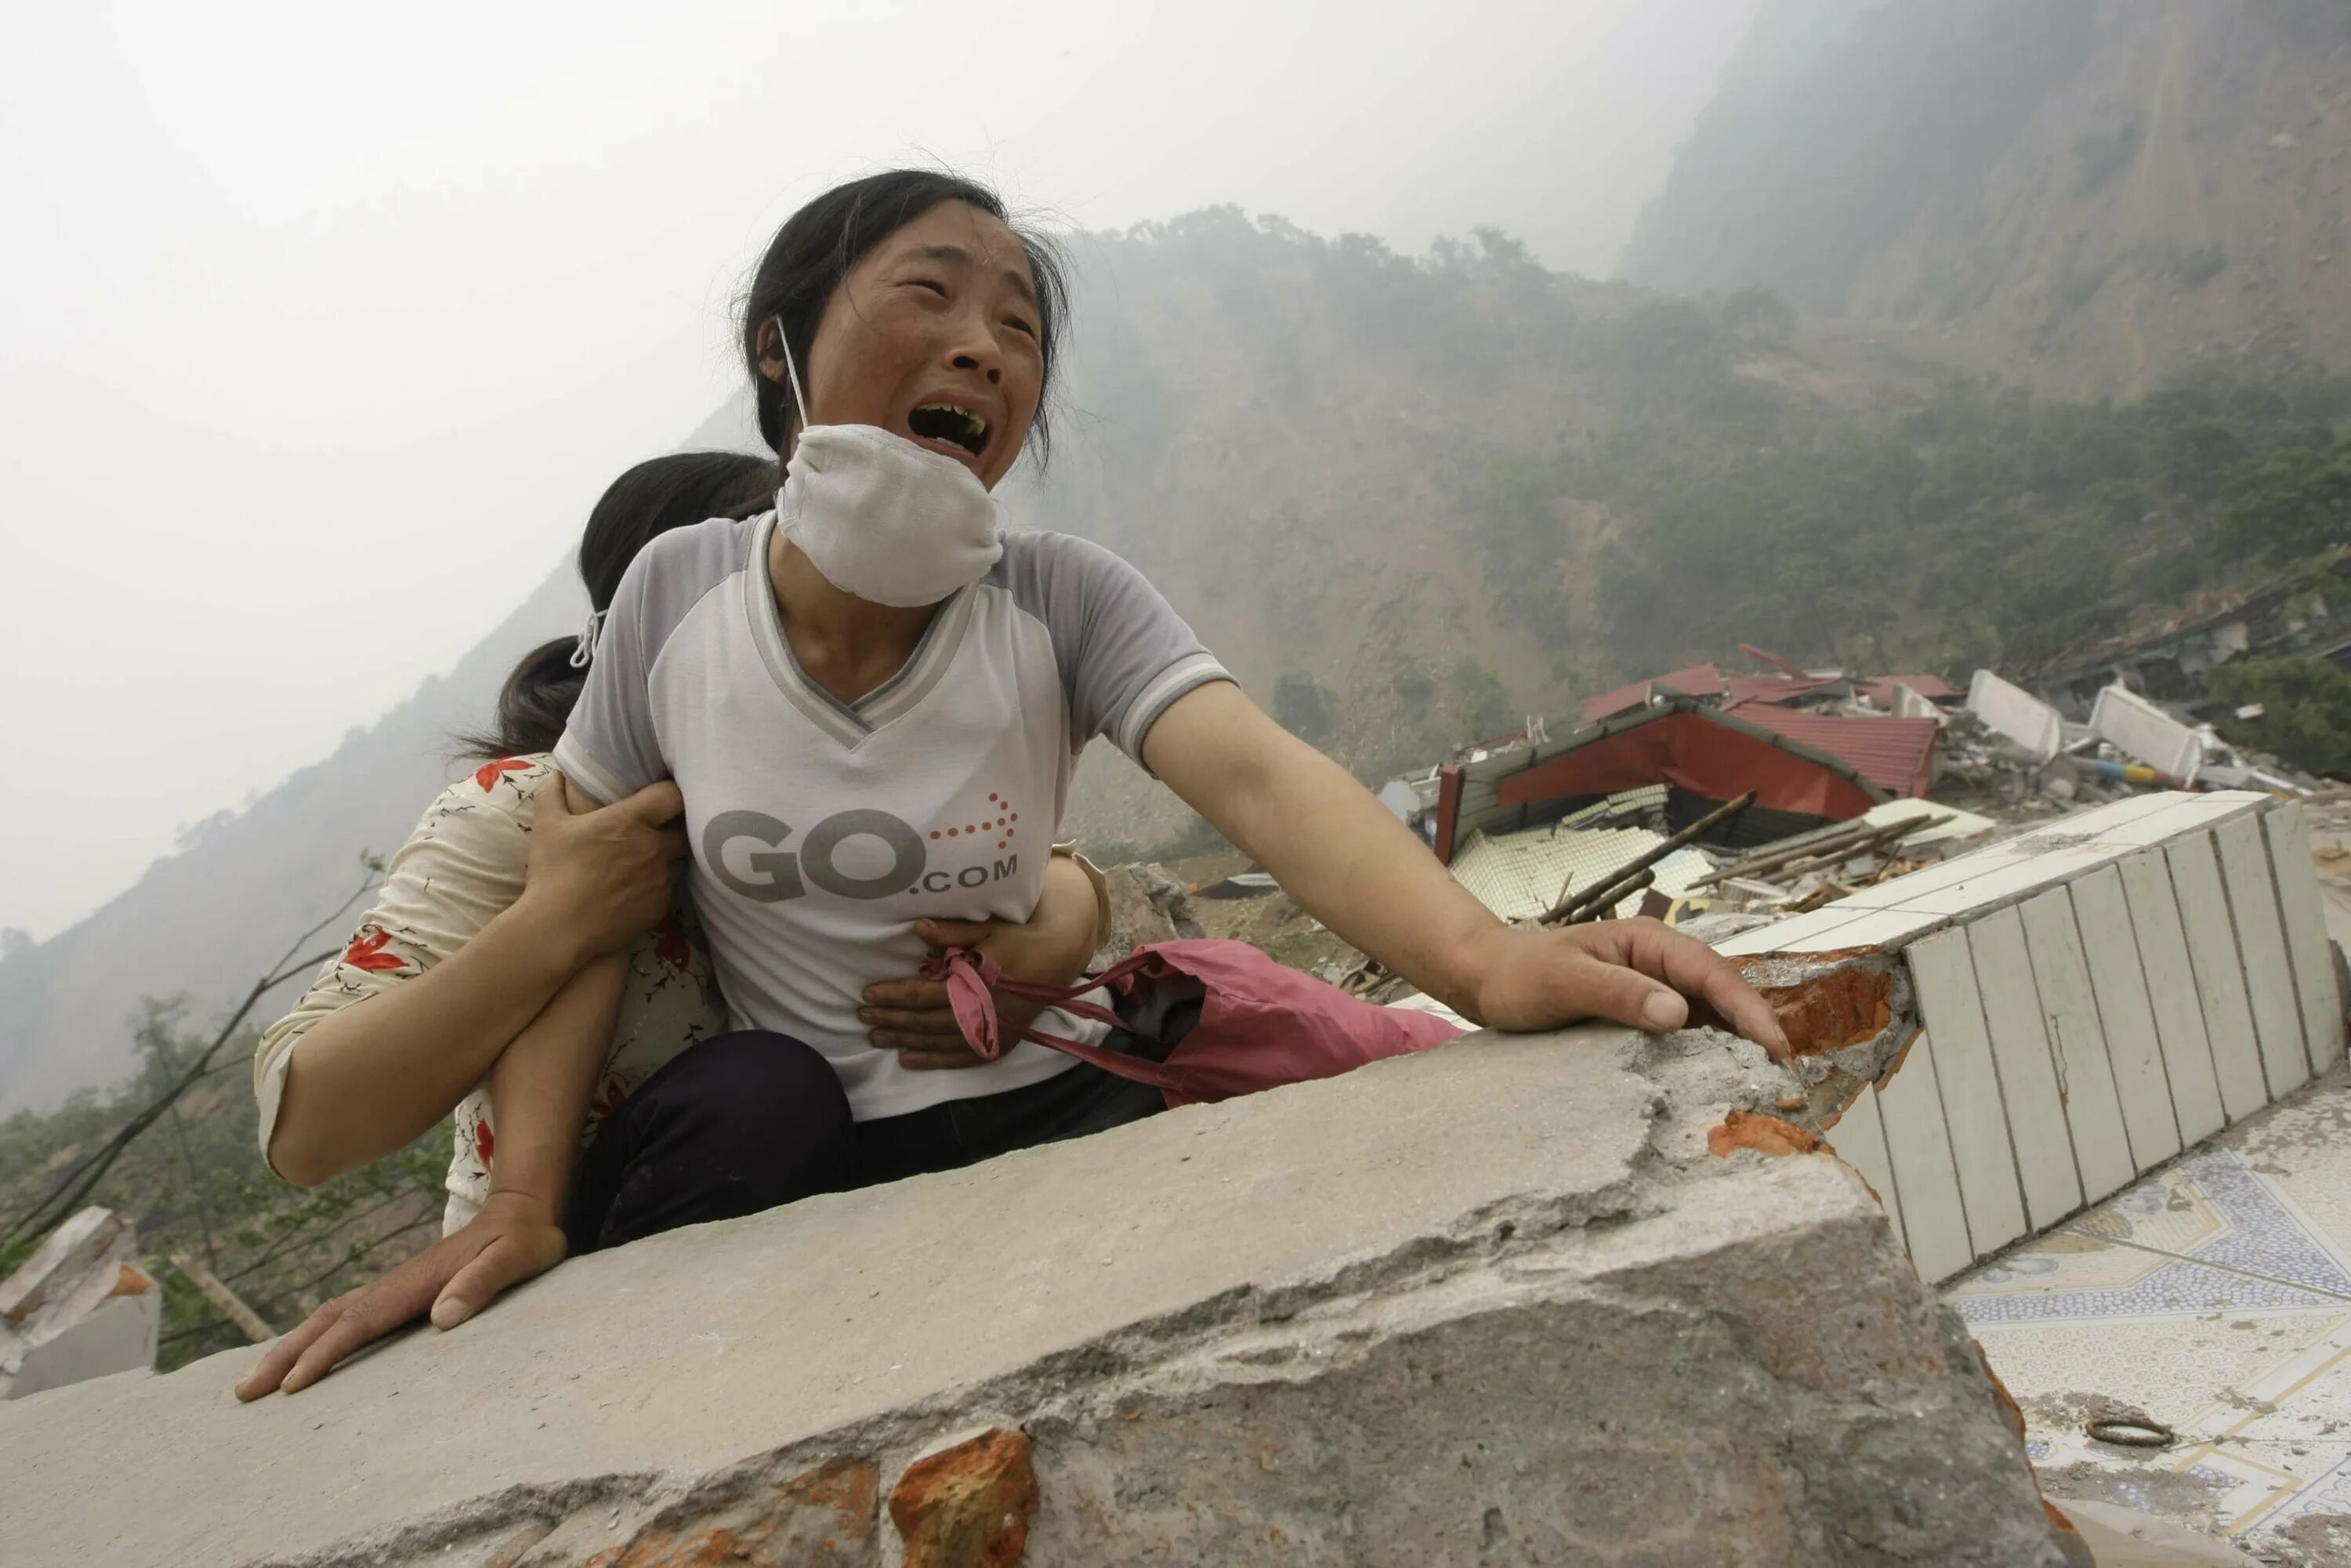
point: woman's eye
(1017, 325)
(933, 285)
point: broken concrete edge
(1850, 1015)
(847, 1494)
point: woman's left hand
(1636, 972)
(1051, 947)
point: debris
(2138, 729)
(1608, 895)
(79, 1308)
(1147, 904)
(1520, 876)
(1242, 885)
(2016, 713)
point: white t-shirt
(821, 831)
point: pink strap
(969, 976)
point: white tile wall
(2127, 1017)
(2077, 1043)
(1944, 973)
(2162, 942)
(2220, 973)
(2306, 934)
(1918, 1150)
(1859, 1138)
(2252, 881)
(2098, 996)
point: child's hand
(511, 1239)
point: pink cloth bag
(1261, 1024)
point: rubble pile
(80, 1307)
(1840, 782)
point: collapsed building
(2304, 612)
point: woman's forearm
(369, 1078)
(540, 1088)
(1334, 849)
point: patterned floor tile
(2189, 1372)
(2302, 1153)
(2208, 1235)
(2215, 1297)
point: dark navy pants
(745, 1121)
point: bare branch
(76, 1184)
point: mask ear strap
(799, 398)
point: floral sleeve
(462, 866)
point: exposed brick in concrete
(967, 1506)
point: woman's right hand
(603, 877)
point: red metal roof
(1773, 688)
(1879, 689)
(1706, 752)
(1698, 680)
(1897, 755)
(1765, 657)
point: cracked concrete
(1496, 1302)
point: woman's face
(933, 336)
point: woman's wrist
(539, 1200)
(545, 937)
(1472, 956)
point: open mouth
(945, 422)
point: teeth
(978, 425)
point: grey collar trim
(849, 723)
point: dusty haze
(321, 335)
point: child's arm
(374, 1074)
(539, 1094)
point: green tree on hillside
(2289, 501)
(2306, 703)
(1478, 706)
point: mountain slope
(2092, 195)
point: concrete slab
(1494, 1302)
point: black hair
(648, 500)
(820, 244)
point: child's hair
(820, 244)
(647, 501)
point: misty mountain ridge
(1410, 501)
(2091, 196)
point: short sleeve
(1125, 654)
(462, 864)
(612, 747)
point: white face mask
(880, 517)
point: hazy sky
(321, 326)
